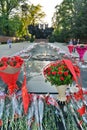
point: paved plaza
(16, 47)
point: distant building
(40, 31)
(43, 26)
(46, 25)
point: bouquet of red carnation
(10, 70)
(61, 72)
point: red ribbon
(71, 68)
(81, 110)
(78, 95)
(25, 96)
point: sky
(48, 6)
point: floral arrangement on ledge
(15, 61)
(59, 72)
(9, 71)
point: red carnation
(66, 73)
(4, 59)
(60, 72)
(59, 69)
(62, 78)
(54, 72)
(11, 63)
(77, 70)
(48, 73)
(65, 67)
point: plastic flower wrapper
(33, 112)
(2, 102)
(3, 86)
(79, 122)
(19, 100)
(51, 115)
(61, 72)
(11, 112)
(15, 106)
(10, 70)
(85, 96)
(77, 107)
(7, 114)
(30, 116)
(51, 101)
(40, 109)
(11, 121)
(20, 78)
(71, 120)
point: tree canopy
(70, 20)
(16, 15)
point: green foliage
(69, 120)
(51, 118)
(51, 38)
(8, 22)
(16, 15)
(70, 20)
(30, 16)
(35, 14)
(32, 38)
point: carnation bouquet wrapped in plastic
(10, 70)
(61, 72)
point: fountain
(43, 95)
(41, 55)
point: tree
(35, 14)
(70, 19)
(7, 11)
(16, 15)
(31, 16)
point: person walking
(9, 42)
(71, 42)
(74, 43)
(78, 41)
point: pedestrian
(9, 42)
(74, 43)
(71, 42)
(78, 41)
